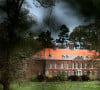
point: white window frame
(73, 65)
(55, 73)
(51, 56)
(81, 65)
(50, 65)
(64, 57)
(50, 72)
(88, 57)
(82, 57)
(91, 65)
(76, 65)
(62, 65)
(55, 66)
(67, 56)
(67, 66)
(85, 65)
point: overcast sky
(62, 12)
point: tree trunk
(6, 86)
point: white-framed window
(51, 56)
(67, 66)
(50, 65)
(85, 73)
(55, 66)
(85, 65)
(67, 56)
(76, 65)
(62, 66)
(73, 65)
(91, 65)
(82, 57)
(55, 73)
(50, 73)
(63, 56)
(81, 65)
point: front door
(79, 72)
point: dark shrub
(85, 78)
(73, 78)
(56, 78)
(40, 78)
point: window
(82, 57)
(62, 66)
(85, 65)
(91, 66)
(81, 65)
(26, 66)
(67, 56)
(72, 65)
(63, 56)
(55, 66)
(51, 56)
(50, 73)
(50, 65)
(67, 65)
(88, 57)
(55, 73)
(85, 73)
(66, 74)
(38, 56)
(76, 65)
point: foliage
(63, 35)
(40, 78)
(87, 36)
(73, 78)
(46, 39)
(85, 78)
(46, 4)
(14, 27)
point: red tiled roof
(57, 54)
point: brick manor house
(71, 62)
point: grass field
(94, 85)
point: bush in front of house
(73, 78)
(40, 78)
(85, 78)
(49, 78)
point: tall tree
(63, 35)
(14, 26)
(46, 39)
(87, 35)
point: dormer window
(82, 57)
(67, 56)
(63, 56)
(38, 56)
(88, 57)
(51, 56)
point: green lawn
(94, 85)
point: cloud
(62, 13)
